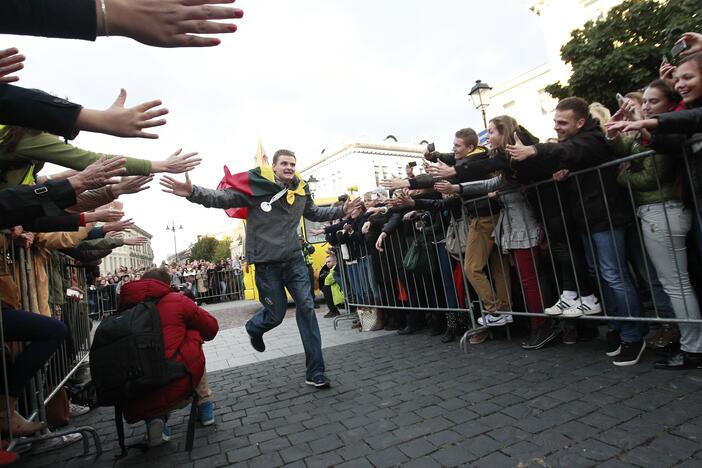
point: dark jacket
(185, 327)
(483, 206)
(70, 19)
(36, 109)
(588, 204)
(270, 236)
(683, 121)
(39, 207)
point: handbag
(457, 238)
(370, 318)
(57, 411)
(417, 258)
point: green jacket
(645, 173)
(44, 147)
(337, 293)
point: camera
(343, 198)
(412, 164)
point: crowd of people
(604, 219)
(60, 220)
(601, 221)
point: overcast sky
(304, 75)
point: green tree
(223, 250)
(623, 51)
(204, 249)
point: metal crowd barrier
(573, 252)
(68, 303)
(215, 285)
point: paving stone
(416, 448)
(296, 452)
(387, 457)
(323, 460)
(242, 454)
(326, 444)
(595, 450)
(494, 460)
(454, 455)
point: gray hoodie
(271, 237)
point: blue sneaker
(205, 413)
(157, 432)
(320, 381)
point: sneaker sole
(155, 433)
(540, 344)
(631, 363)
(209, 422)
(559, 312)
(614, 353)
(313, 384)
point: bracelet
(103, 7)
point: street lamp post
(312, 183)
(480, 94)
(173, 229)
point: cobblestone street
(412, 401)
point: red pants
(526, 261)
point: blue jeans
(271, 281)
(618, 291)
(446, 270)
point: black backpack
(127, 356)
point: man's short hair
(579, 106)
(158, 274)
(282, 152)
(469, 137)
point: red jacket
(185, 327)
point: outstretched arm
(208, 198)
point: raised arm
(208, 198)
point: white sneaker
(494, 320)
(588, 305)
(566, 301)
(77, 410)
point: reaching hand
(131, 184)
(352, 205)
(118, 226)
(10, 62)
(409, 171)
(121, 121)
(636, 125)
(440, 169)
(106, 215)
(98, 174)
(446, 187)
(394, 184)
(317, 231)
(694, 43)
(518, 151)
(177, 163)
(169, 23)
(409, 215)
(182, 189)
(366, 228)
(135, 240)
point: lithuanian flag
(258, 182)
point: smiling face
(656, 102)
(566, 124)
(284, 168)
(688, 82)
(461, 148)
(494, 136)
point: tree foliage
(211, 249)
(623, 51)
(203, 249)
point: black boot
(408, 330)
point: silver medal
(266, 206)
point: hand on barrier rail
(167, 23)
(366, 227)
(379, 242)
(131, 184)
(439, 169)
(561, 175)
(694, 43)
(10, 62)
(447, 188)
(409, 216)
(121, 121)
(177, 163)
(625, 166)
(25, 239)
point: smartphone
(679, 47)
(620, 99)
(431, 148)
(412, 164)
(665, 60)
